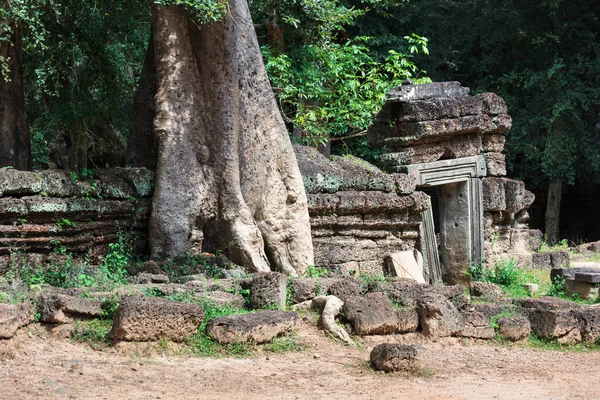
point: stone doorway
(459, 216)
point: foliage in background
(541, 56)
(82, 79)
(336, 89)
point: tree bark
(226, 168)
(141, 145)
(553, 211)
(15, 148)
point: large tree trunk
(226, 168)
(15, 148)
(142, 146)
(553, 211)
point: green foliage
(313, 271)
(95, 333)
(368, 278)
(202, 11)
(563, 245)
(335, 89)
(117, 260)
(285, 344)
(63, 223)
(557, 287)
(503, 272)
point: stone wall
(358, 214)
(42, 212)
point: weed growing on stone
(94, 333)
(504, 314)
(504, 273)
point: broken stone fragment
(146, 277)
(553, 318)
(439, 317)
(371, 315)
(343, 289)
(391, 357)
(486, 291)
(141, 318)
(268, 290)
(259, 327)
(221, 298)
(514, 328)
(59, 308)
(13, 317)
(475, 325)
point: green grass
(504, 314)
(94, 333)
(285, 344)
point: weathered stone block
(371, 315)
(408, 320)
(585, 290)
(515, 195)
(222, 299)
(430, 90)
(436, 108)
(390, 357)
(405, 184)
(514, 328)
(493, 143)
(494, 196)
(268, 290)
(589, 320)
(13, 317)
(439, 317)
(61, 308)
(259, 327)
(486, 291)
(149, 318)
(560, 259)
(495, 163)
(492, 103)
(343, 289)
(475, 325)
(542, 261)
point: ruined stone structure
(44, 212)
(358, 214)
(450, 144)
(440, 198)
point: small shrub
(313, 271)
(557, 287)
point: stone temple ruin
(438, 202)
(444, 180)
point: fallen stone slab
(486, 291)
(221, 298)
(439, 317)
(589, 322)
(269, 289)
(476, 326)
(259, 327)
(555, 324)
(141, 318)
(59, 308)
(408, 320)
(371, 315)
(583, 289)
(402, 291)
(516, 328)
(13, 317)
(391, 357)
(146, 277)
(343, 288)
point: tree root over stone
(330, 307)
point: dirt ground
(37, 365)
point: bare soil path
(35, 365)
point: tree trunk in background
(78, 150)
(226, 168)
(15, 145)
(553, 210)
(141, 145)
